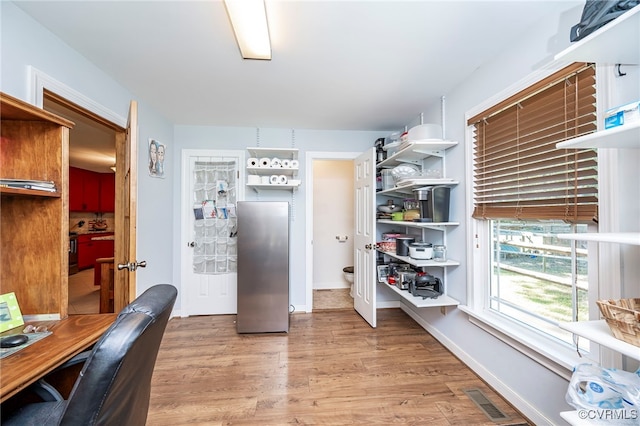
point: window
(526, 192)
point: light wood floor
(84, 296)
(331, 368)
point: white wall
(26, 43)
(332, 216)
(207, 137)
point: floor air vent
(491, 411)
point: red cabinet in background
(91, 192)
(107, 192)
(89, 250)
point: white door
(212, 184)
(364, 292)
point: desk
(69, 337)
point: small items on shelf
(38, 185)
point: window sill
(552, 355)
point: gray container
(434, 203)
(402, 244)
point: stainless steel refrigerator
(263, 266)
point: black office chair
(114, 385)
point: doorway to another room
(92, 161)
(331, 198)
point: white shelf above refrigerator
(266, 171)
(599, 332)
(285, 186)
(632, 238)
(273, 152)
(625, 137)
(618, 42)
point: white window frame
(545, 350)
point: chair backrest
(115, 383)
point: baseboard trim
(527, 410)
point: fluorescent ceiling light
(249, 21)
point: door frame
(309, 159)
(41, 83)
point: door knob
(132, 266)
(368, 246)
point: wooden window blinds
(518, 172)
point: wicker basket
(623, 318)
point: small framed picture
(10, 315)
(157, 156)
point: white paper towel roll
(265, 162)
(276, 162)
(253, 179)
(252, 162)
(264, 180)
(282, 179)
(286, 163)
(273, 179)
(295, 164)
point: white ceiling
(341, 65)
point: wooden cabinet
(86, 252)
(90, 249)
(34, 225)
(107, 192)
(90, 191)
(84, 190)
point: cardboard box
(622, 115)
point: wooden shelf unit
(34, 225)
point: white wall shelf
(410, 186)
(599, 332)
(617, 137)
(618, 42)
(289, 153)
(420, 153)
(421, 263)
(268, 171)
(437, 226)
(573, 418)
(632, 238)
(281, 154)
(270, 187)
(415, 152)
(419, 302)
